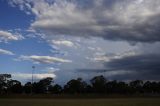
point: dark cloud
(141, 66)
(144, 67)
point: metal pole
(104, 73)
(33, 68)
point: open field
(81, 102)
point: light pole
(104, 73)
(33, 69)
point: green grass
(81, 102)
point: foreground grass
(81, 102)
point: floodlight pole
(33, 69)
(104, 73)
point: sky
(66, 39)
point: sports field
(80, 102)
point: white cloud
(8, 36)
(132, 20)
(63, 43)
(109, 57)
(51, 70)
(6, 52)
(44, 59)
(27, 76)
(100, 58)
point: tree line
(97, 85)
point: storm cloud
(142, 66)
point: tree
(111, 87)
(98, 84)
(28, 88)
(4, 78)
(136, 86)
(75, 86)
(56, 89)
(43, 85)
(15, 86)
(122, 88)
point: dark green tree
(14, 86)
(98, 84)
(56, 89)
(75, 86)
(4, 78)
(43, 85)
(136, 86)
(28, 88)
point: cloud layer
(44, 59)
(144, 66)
(66, 26)
(62, 43)
(26, 76)
(6, 52)
(130, 20)
(6, 36)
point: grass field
(80, 102)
